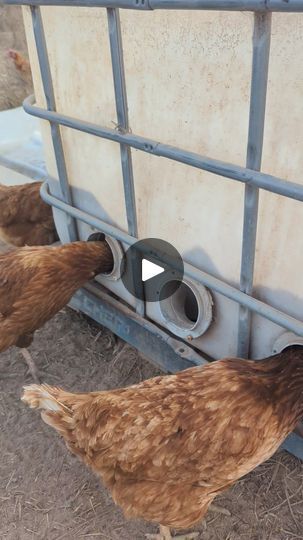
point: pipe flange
(188, 312)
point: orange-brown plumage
(167, 446)
(22, 65)
(25, 219)
(36, 282)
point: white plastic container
(188, 81)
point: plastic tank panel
(188, 81)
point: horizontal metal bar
(227, 170)
(127, 4)
(274, 315)
(229, 5)
(214, 5)
(23, 168)
(169, 353)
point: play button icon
(150, 269)
(150, 264)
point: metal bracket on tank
(165, 351)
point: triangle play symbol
(150, 270)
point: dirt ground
(47, 494)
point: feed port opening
(181, 307)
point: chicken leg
(165, 534)
(31, 365)
(25, 341)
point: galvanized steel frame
(261, 51)
(249, 175)
(289, 6)
(114, 28)
(51, 106)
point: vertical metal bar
(261, 51)
(51, 106)
(114, 28)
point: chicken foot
(31, 365)
(165, 534)
(218, 510)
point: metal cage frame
(168, 352)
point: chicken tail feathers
(52, 400)
(44, 397)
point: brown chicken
(36, 282)
(25, 219)
(168, 446)
(22, 65)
